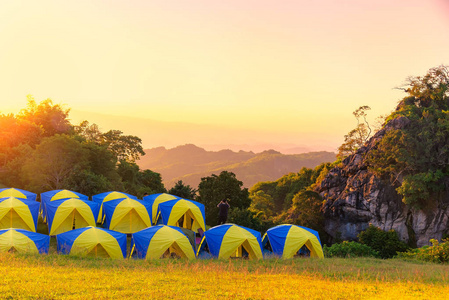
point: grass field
(62, 277)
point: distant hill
(190, 163)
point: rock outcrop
(355, 197)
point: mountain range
(190, 163)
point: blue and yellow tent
(92, 241)
(230, 240)
(155, 200)
(58, 195)
(108, 196)
(286, 241)
(161, 241)
(23, 241)
(68, 214)
(183, 213)
(127, 215)
(17, 193)
(19, 213)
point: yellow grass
(62, 277)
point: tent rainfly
(65, 215)
(17, 193)
(58, 195)
(108, 196)
(161, 241)
(92, 241)
(127, 215)
(230, 240)
(19, 213)
(183, 213)
(155, 200)
(23, 241)
(286, 241)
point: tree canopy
(416, 158)
(41, 150)
(358, 136)
(214, 188)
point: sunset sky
(240, 74)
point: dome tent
(23, 241)
(92, 241)
(287, 240)
(108, 196)
(230, 240)
(183, 213)
(127, 215)
(65, 215)
(161, 241)
(19, 213)
(155, 200)
(56, 195)
(17, 193)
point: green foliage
(306, 211)
(349, 249)
(291, 199)
(124, 147)
(52, 118)
(213, 189)
(40, 150)
(437, 253)
(52, 164)
(247, 218)
(386, 243)
(416, 158)
(262, 205)
(358, 136)
(136, 182)
(183, 191)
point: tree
(138, 182)
(386, 243)
(183, 191)
(151, 182)
(246, 218)
(54, 161)
(358, 136)
(124, 147)
(89, 132)
(52, 118)
(415, 157)
(306, 211)
(262, 205)
(213, 189)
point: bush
(349, 249)
(387, 243)
(438, 252)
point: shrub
(349, 249)
(438, 252)
(387, 243)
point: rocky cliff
(355, 197)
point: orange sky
(238, 74)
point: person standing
(223, 208)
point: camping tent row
(223, 241)
(123, 215)
(65, 210)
